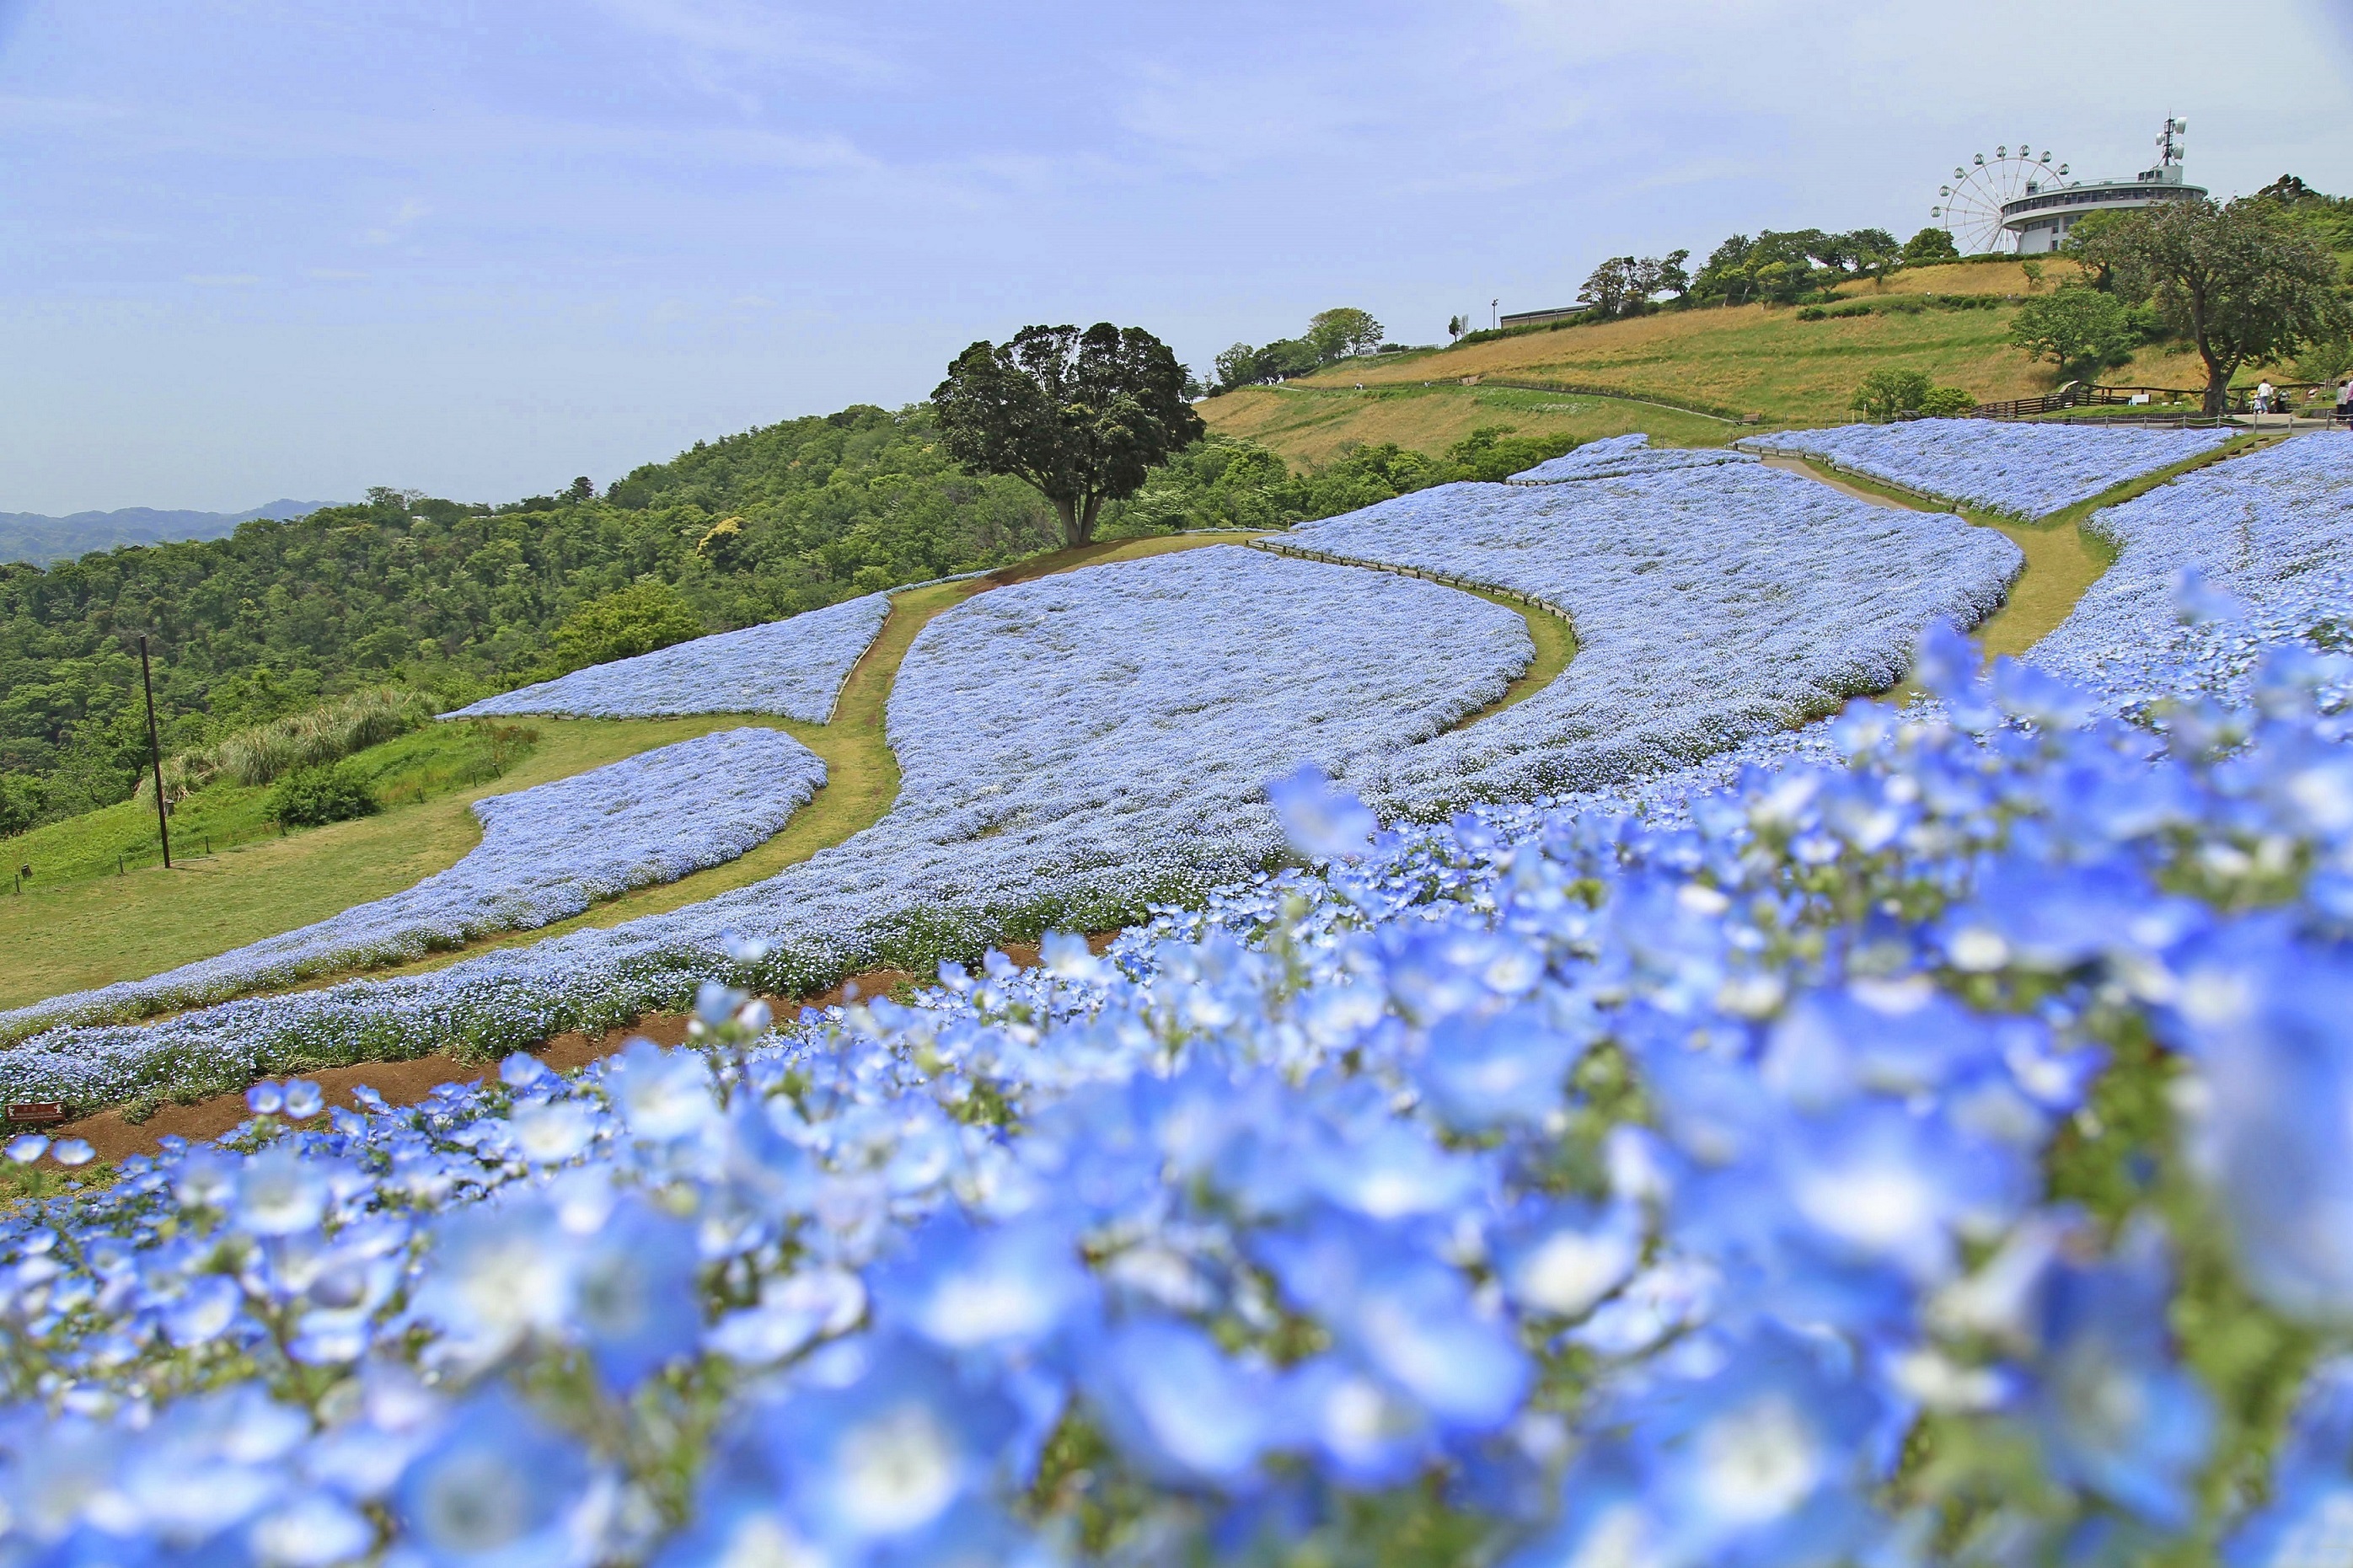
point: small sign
(36, 1113)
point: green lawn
(407, 769)
(78, 924)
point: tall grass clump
(313, 738)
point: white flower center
(1759, 1462)
(898, 1471)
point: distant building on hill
(2041, 218)
(1538, 318)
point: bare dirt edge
(410, 1082)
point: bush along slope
(1935, 1157)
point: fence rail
(2076, 395)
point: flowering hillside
(2025, 470)
(1071, 748)
(1808, 1175)
(547, 853)
(1631, 454)
(1712, 604)
(793, 668)
(2270, 539)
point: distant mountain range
(28, 536)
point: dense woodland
(461, 599)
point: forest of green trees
(461, 599)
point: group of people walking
(2269, 399)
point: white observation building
(2041, 218)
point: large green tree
(2081, 329)
(1083, 417)
(1342, 332)
(2240, 281)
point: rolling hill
(29, 537)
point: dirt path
(410, 1082)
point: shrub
(313, 738)
(633, 620)
(1948, 402)
(311, 797)
(1496, 452)
(1885, 393)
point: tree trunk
(1074, 532)
(2217, 378)
(1087, 519)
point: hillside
(461, 598)
(1735, 361)
(30, 537)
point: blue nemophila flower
(1559, 1260)
(2271, 1026)
(1766, 1453)
(1180, 1408)
(661, 1095)
(1007, 1289)
(871, 1451)
(211, 1463)
(280, 1191)
(2114, 1408)
(1507, 1069)
(500, 1271)
(1366, 1431)
(794, 1310)
(501, 1489)
(633, 1297)
(201, 1310)
(1322, 823)
(1410, 1317)
(26, 1147)
(312, 1530)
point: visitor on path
(2263, 397)
(2344, 401)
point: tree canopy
(1784, 267)
(2081, 329)
(1332, 335)
(1080, 417)
(2244, 282)
(1626, 285)
(462, 598)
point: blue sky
(252, 248)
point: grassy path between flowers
(2062, 559)
(121, 927)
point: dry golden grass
(1317, 424)
(1763, 360)
(1965, 278)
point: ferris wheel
(1969, 206)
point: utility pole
(155, 754)
(1495, 309)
